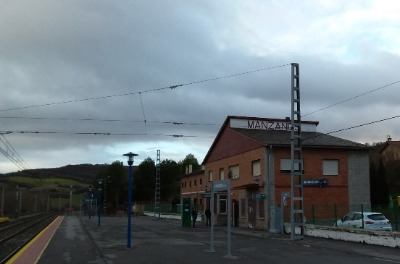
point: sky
(85, 81)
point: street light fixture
(130, 156)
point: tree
(378, 185)
(170, 184)
(144, 181)
(115, 185)
(189, 160)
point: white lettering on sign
(268, 125)
(220, 186)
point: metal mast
(296, 191)
(157, 189)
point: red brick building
(255, 154)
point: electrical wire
(100, 134)
(10, 152)
(145, 91)
(364, 124)
(107, 120)
(144, 116)
(351, 98)
(352, 127)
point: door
(252, 213)
(235, 210)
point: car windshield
(377, 217)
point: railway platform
(78, 239)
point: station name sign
(222, 185)
(269, 124)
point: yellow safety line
(16, 256)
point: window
(242, 207)
(190, 183)
(256, 168)
(286, 166)
(234, 172)
(195, 183)
(330, 167)
(200, 181)
(222, 204)
(221, 174)
(210, 176)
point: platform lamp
(130, 156)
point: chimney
(188, 169)
(388, 138)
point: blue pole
(129, 204)
(99, 208)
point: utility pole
(157, 193)
(296, 190)
(70, 197)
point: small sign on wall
(315, 182)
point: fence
(329, 214)
(16, 202)
(164, 208)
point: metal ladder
(296, 191)
(157, 193)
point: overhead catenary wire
(352, 98)
(353, 127)
(144, 116)
(101, 133)
(173, 122)
(10, 152)
(145, 91)
(108, 120)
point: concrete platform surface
(80, 240)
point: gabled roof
(395, 144)
(283, 138)
(309, 139)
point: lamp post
(90, 201)
(130, 156)
(99, 191)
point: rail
(15, 235)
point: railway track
(16, 234)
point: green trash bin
(186, 215)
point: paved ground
(80, 240)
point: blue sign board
(258, 196)
(315, 182)
(222, 185)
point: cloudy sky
(84, 81)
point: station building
(255, 154)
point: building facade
(255, 154)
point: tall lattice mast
(296, 191)
(157, 193)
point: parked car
(372, 221)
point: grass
(44, 182)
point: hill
(84, 173)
